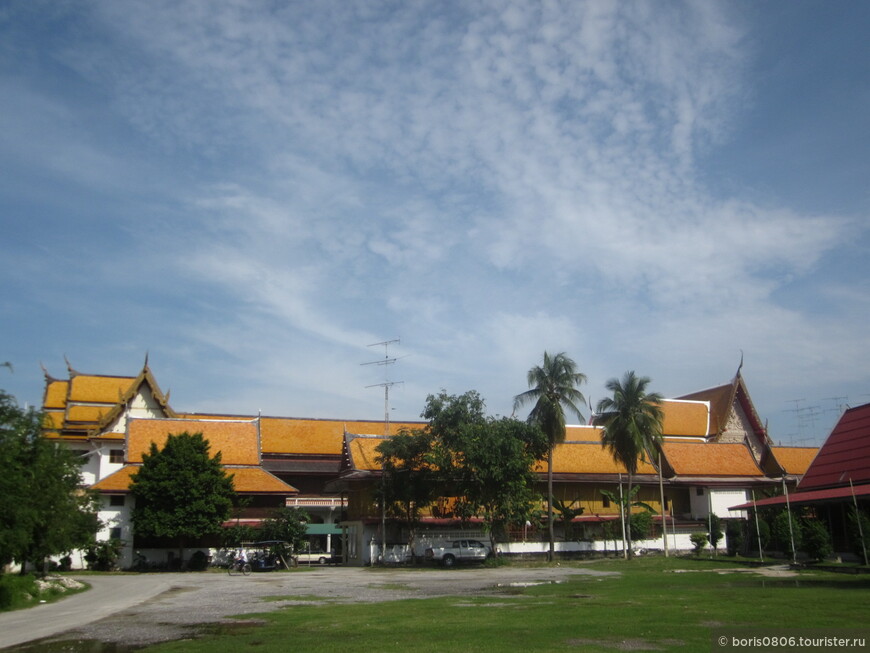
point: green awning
(323, 529)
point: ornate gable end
(142, 399)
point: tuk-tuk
(268, 555)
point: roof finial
(740, 367)
(69, 367)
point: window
(605, 502)
(667, 501)
(116, 500)
(699, 491)
(116, 456)
(115, 533)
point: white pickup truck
(459, 551)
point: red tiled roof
(811, 496)
(844, 455)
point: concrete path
(108, 595)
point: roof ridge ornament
(69, 367)
(48, 377)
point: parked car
(317, 557)
(459, 551)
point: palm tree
(632, 421)
(553, 387)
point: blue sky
(253, 192)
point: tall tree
(410, 481)
(632, 421)
(553, 387)
(492, 466)
(43, 509)
(181, 491)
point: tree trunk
(552, 552)
(627, 509)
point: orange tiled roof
(118, 481)
(587, 458)
(795, 460)
(237, 441)
(98, 389)
(317, 436)
(720, 399)
(363, 454)
(686, 418)
(710, 459)
(55, 394)
(89, 414)
(53, 420)
(246, 480)
(254, 480)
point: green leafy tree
(816, 539)
(287, 524)
(42, 507)
(626, 501)
(734, 537)
(486, 463)
(493, 468)
(715, 533)
(553, 387)
(783, 529)
(567, 510)
(859, 533)
(410, 482)
(632, 421)
(181, 491)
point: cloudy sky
(254, 192)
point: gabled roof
(238, 441)
(794, 460)
(721, 400)
(88, 403)
(284, 435)
(683, 417)
(710, 459)
(571, 458)
(246, 480)
(361, 454)
(845, 454)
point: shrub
(699, 541)
(783, 534)
(198, 561)
(103, 556)
(817, 540)
(715, 534)
(641, 525)
(16, 591)
(855, 533)
(734, 537)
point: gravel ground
(193, 601)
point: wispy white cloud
(489, 179)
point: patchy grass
(654, 604)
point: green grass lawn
(651, 605)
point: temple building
(716, 454)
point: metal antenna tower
(386, 361)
